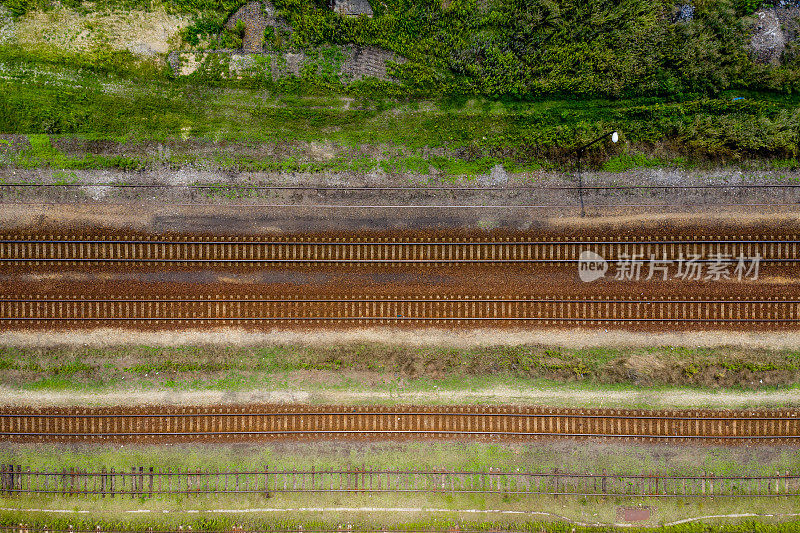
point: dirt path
(568, 338)
(146, 215)
(556, 396)
(406, 510)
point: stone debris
(685, 13)
(356, 62)
(351, 62)
(367, 61)
(774, 28)
(497, 177)
(7, 30)
(257, 16)
(142, 49)
(352, 8)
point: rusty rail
(276, 422)
(26, 311)
(27, 250)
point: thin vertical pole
(580, 182)
(603, 482)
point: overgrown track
(267, 422)
(32, 311)
(36, 250)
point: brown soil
(606, 228)
(153, 215)
(349, 282)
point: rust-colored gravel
(285, 422)
(349, 282)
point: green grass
(432, 455)
(473, 135)
(586, 510)
(388, 374)
(626, 162)
(579, 457)
(786, 164)
(113, 516)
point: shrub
(233, 37)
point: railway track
(98, 250)
(270, 422)
(26, 311)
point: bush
(747, 7)
(233, 37)
(521, 49)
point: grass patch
(433, 455)
(469, 139)
(579, 457)
(370, 373)
(624, 162)
(786, 164)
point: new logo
(591, 266)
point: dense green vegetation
(527, 48)
(521, 83)
(474, 133)
(524, 48)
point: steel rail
(26, 310)
(407, 188)
(410, 319)
(382, 251)
(487, 313)
(432, 299)
(404, 206)
(365, 432)
(376, 242)
(357, 261)
(407, 414)
(335, 421)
